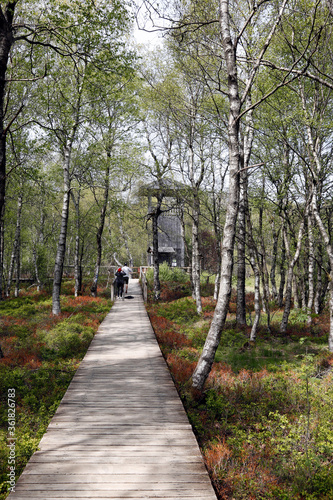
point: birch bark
(243, 201)
(273, 267)
(77, 264)
(241, 267)
(67, 148)
(311, 265)
(254, 259)
(235, 102)
(15, 252)
(125, 239)
(195, 224)
(155, 215)
(290, 273)
(213, 338)
(61, 248)
(100, 229)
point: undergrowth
(264, 420)
(41, 354)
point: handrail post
(144, 284)
(112, 291)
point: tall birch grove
(226, 121)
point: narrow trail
(121, 430)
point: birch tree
(236, 101)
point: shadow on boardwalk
(120, 430)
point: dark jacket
(120, 277)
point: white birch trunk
(77, 266)
(241, 267)
(213, 338)
(319, 284)
(196, 258)
(243, 201)
(254, 259)
(292, 262)
(61, 249)
(125, 239)
(157, 284)
(18, 268)
(329, 250)
(16, 244)
(273, 267)
(254, 329)
(99, 233)
(311, 266)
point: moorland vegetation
(264, 419)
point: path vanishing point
(121, 430)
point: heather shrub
(21, 307)
(179, 311)
(66, 339)
(168, 273)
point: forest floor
(264, 421)
(41, 355)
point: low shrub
(180, 311)
(264, 419)
(168, 273)
(66, 339)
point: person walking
(128, 271)
(120, 275)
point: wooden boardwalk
(121, 430)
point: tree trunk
(213, 338)
(77, 258)
(241, 267)
(34, 255)
(319, 285)
(218, 278)
(282, 270)
(273, 268)
(297, 300)
(15, 252)
(292, 262)
(100, 229)
(125, 239)
(157, 284)
(254, 258)
(18, 269)
(61, 249)
(243, 202)
(311, 265)
(263, 269)
(329, 249)
(6, 42)
(196, 256)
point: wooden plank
(69, 495)
(127, 479)
(121, 430)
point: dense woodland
(228, 114)
(234, 107)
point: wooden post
(112, 291)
